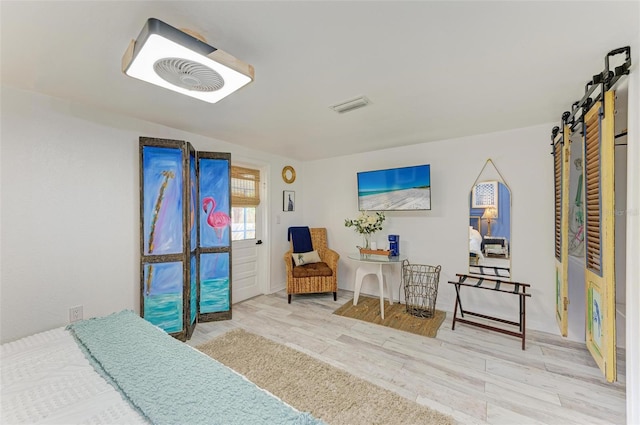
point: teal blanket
(172, 383)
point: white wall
(70, 232)
(440, 236)
(70, 209)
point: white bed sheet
(475, 243)
(46, 379)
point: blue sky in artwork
(166, 277)
(380, 181)
(193, 207)
(167, 236)
(214, 266)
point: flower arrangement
(366, 224)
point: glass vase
(366, 241)
(366, 244)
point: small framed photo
(485, 195)
(288, 200)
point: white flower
(365, 223)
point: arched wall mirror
(490, 247)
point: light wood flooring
(477, 376)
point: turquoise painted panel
(215, 293)
(163, 295)
(194, 290)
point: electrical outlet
(75, 314)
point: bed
(121, 369)
(475, 246)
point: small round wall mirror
(288, 174)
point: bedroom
(72, 164)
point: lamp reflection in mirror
(171, 58)
(489, 213)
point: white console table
(372, 264)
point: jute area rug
(310, 385)
(395, 316)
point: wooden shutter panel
(557, 179)
(593, 195)
(245, 187)
(600, 278)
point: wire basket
(420, 283)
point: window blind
(245, 187)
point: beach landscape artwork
(162, 235)
(395, 189)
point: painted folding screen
(561, 155)
(599, 236)
(214, 236)
(167, 220)
(185, 244)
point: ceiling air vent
(350, 105)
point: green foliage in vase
(366, 224)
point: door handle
(259, 242)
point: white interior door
(245, 269)
(249, 252)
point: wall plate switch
(75, 314)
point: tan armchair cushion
(312, 270)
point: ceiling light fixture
(171, 58)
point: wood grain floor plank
(477, 376)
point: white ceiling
(432, 70)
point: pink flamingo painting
(218, 220)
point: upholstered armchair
(314, 277)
